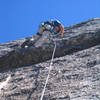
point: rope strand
(48, 72)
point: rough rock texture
(76, 37)
(74, 76)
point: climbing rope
(48, 72)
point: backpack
(53, 24)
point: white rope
(48, 72)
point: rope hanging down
(48, 72)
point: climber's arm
(61, 30)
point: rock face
(76, 37)
(75, 73)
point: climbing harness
(50, 67)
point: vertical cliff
(76, 68)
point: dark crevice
(36, 82)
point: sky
(21, 18)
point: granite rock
(75, 73)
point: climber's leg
(43, 39)
(40, 31)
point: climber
(54, 26)
(46, 28)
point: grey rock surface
(73, 77)
(75, 73)
(76, 37)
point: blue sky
(20, 18)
